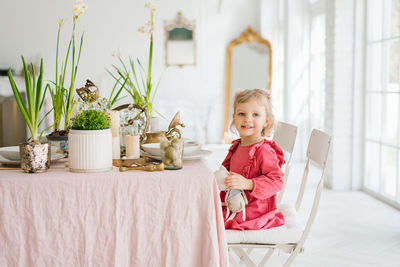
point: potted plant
(62, 94)
(135, 80)
(90, 141)
(35, 156)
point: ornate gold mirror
(180, 45)
(248, 66)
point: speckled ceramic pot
(35, 157)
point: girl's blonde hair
(264, 98)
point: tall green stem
(148, 91)
(139, 84)
(57, 112)
(71, 86)
(74, 69)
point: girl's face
(250, 118)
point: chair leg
(248, 251)
(244, 258)
(266, 257)
(232, 261)
(292, 256)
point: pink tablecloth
(134, 218)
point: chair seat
(290, 232)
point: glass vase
(172, 153)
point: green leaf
(63, 69)
(41, 133)
(118, 93)
(161, 115)
(28, 87)
(44, 95)
(141, 72)
(18, 98)
(112, 91)
(39, 99)
(30, 111)
(40, 122)
(79, 54)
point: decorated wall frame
(180, 42)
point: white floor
(351, 228)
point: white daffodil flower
(149, 5)
(79, 8)
(116, 54)
(76, 10)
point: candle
(116, 152)
(114, 116)
(114, 121)
(132, 145)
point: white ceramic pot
(154, 123)
(90, 150)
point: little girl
(254, 162)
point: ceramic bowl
(154, 148)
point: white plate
(12, 152)
(54, 157)
(198, 154)
(154, 148)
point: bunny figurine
(235, 199)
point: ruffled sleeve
(227, 161)
(269, 158)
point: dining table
(132, 218)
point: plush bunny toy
(235, 199)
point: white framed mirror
(180, 43)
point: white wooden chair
(285, 136)
(291, 236)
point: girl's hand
(237, 181)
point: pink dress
(261, 162)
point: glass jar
(172, 153)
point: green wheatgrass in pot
(91, 120)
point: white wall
(30, 27)
(286, 25)
(273, 29)
(340, 44)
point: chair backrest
(317, 152)
(285, 136)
